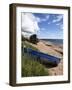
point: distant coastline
(58, 42)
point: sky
(46, 26)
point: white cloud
(44, 19)
(41, 20)
(49, 22)
(47, 17)
(26, 34)
(57, 24)
(29, 23)
(38, 19)
(58, 18)
(60, 25)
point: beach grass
(28, 45)
(30, 66)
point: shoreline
(57, 47)
(49, 43)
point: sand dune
(41, 46)
(56, 70)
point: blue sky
(51, 26)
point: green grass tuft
(30, 67)
(28, 45)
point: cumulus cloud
(46, 18)
(38, 19)
(58, 18)
(29, 24)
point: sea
(54, 41)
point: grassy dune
(25, 43)
(30, 67)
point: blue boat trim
(42, 56)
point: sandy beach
(53, 50)
(56, 70)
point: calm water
(55, 41)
